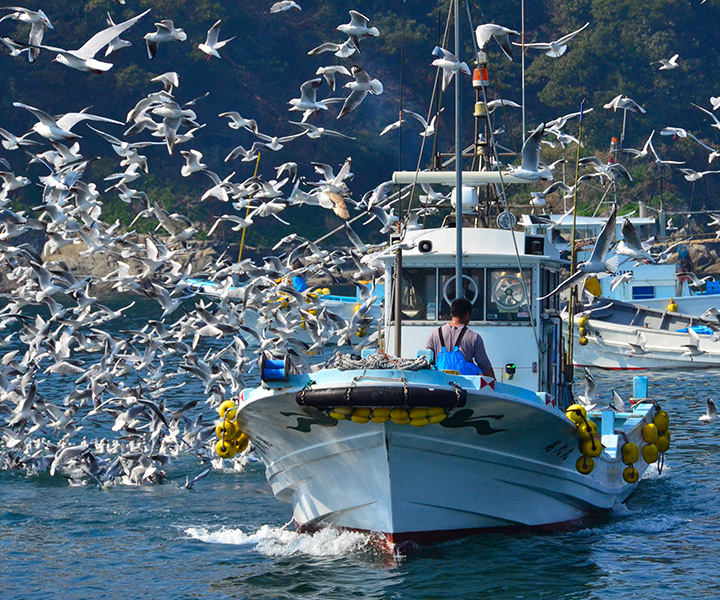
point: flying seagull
(484, 33)
(449, 64)
(38, 23)
(212, 41)
(597, 265)
(530, 168)
(556, 48)
(670, 63)
(83, 59)
(359, 89)
(621, 102)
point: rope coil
(345, 362)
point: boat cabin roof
(480, 245)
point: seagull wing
(605, 239)
(352, 102)
(102, 38)
(630, 236)
(531, 149)
(575, 279)
(40, 115)
(213, 34)
(566, 38)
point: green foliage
(263, 67)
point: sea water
(228, 537)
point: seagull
(393, 125)
(609, 170)
(558, 47)
(329, 74)
(358, 28)
(15, 48)
(314, 132)
(710, 413)
(588, 399)
(632, 247)
(236, 121)
(691, 175)
(116, 43)
(674, 131)
(493, 105)
(169, 80)
(670, 63)
(485, 32)
(344, 50)
(307, 100)
(359, 89)
(192, 162)
(638, 348)
(165, 32)
(716, 122)
(617, 404)
(58, 130)
(428, 128)
(38, 23)
(620, 279)
(189, 484)
(284, 5)
(649, 149)
(624, 103)
(83, 59)
(596, 265)
(449, 64)
(530, 167)
(212, 44)
(693, 347)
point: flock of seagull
(55, 326)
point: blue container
(712, 287)
(640, 386)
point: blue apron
(453, 360)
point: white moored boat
(618, 335)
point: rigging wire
(503, 197)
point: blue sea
(228, 537)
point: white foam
(277, 541)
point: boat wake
(277, 541)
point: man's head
(461, 309)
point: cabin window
(550, 280)
(418, 294)
(473, 290)
(507, 298)
(643, 292)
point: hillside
(262, 68)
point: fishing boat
(388, 444)
(611, 334)
(650, 285)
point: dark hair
(460, 307)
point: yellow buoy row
(589, 446)
(417, 417)
(582, 330)
(230, 439)
(656, 436)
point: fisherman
(455, 347)
(298, 280)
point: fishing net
(349, 362)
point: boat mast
(458, 163)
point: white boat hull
(609, 347)
(504, 460)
